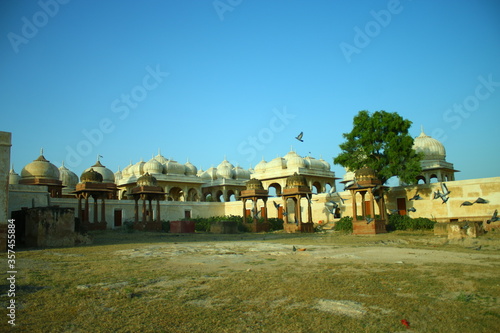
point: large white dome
(107, 175)
(430, 147)
(40, 168)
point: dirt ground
(268, 282)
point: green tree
(381, 141)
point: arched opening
(420, 180)
(208, 197)
(176, 194)
(231, 195)
(124, 195)
(316, 188)
(192, 195)
(433, 179)
(274, 190)
(328, 188)
(219, 196)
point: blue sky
(205, 80)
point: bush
(344, 224)
(165, 226)
(128, 226)
(275, 224)
(404, 222)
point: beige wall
(486, 188)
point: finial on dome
(41, 151)
(159, 152)
(98, 158)
(422, 129)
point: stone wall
(5, 144)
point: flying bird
(309, 198)
(481, 201)
(494, 218)
(393, 211)
(299, 137)
(412, 209)
(416, 197)
(437, 194)
(444, 188)
(444, 199)
(368, 220)
(277, 205)
(466, 203)
(331, 206)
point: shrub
(404, 222)
(344, 224)
(275, 224)
(165, 226)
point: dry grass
(146, 282)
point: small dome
(153, 167)
(191, 170)
(210, 174)
(430, 147)
(174, 168)
(138, 168)
(225, 170)
(260, 167)
(118, 175)
(107, 175)
(293, 160)
(160, 158)
(314, 164)
(240, 173)
(13, 177)
(67, 177)
(277, 163)
(326, 165)
(127, 172)
(254, 184)
(40, 168)
(296, 180)
(91, 176)
(146, 180)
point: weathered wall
(486, 188)
(5, 144)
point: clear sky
(205, 80)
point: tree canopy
(381, 141)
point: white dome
(13, 177)
(260, 167)
(40, 168)
(314, 164)
(153, 167)
(174, 168)
(160, 158)
(326, 165)
(67, 177)
(127, 171)
(210, 174)
(430, 147)
(240, 173)
(277, 163)
(107, 175)
(293, 160)
(138, 168)
(118, 175)
(191, 170)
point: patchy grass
(148, 282)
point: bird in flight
(494, 218)
(466, 203)
(299, 137)
(368, 220)
(481, 201)
(416, 197)
(277, 205)
(445, 189)
(331, 206)
(412, 209)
